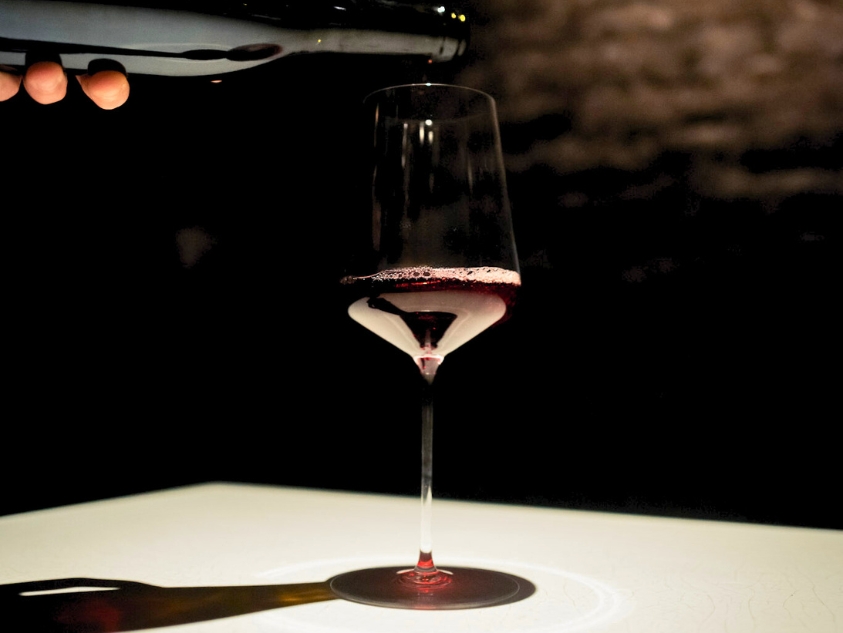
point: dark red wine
(428, 311)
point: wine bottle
(212, 37)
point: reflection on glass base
(468, 588)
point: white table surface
(592, 571)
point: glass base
(463, 588)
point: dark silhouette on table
(110, 606)
(123, 605)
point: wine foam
(478, 274)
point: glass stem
(428, 363)
(425, 565)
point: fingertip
(9, 85)
(108, 89)
(46, 82)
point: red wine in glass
(429, 312)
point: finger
(105, 83)
(9, 85)
(45, 82)
(109, 89)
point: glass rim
(428, 84)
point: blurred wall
(676, 171)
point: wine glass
(436, 267)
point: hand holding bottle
(46, 82)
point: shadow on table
(90, 605)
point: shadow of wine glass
(92, 605)
(88, 605)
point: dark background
(675, 349)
